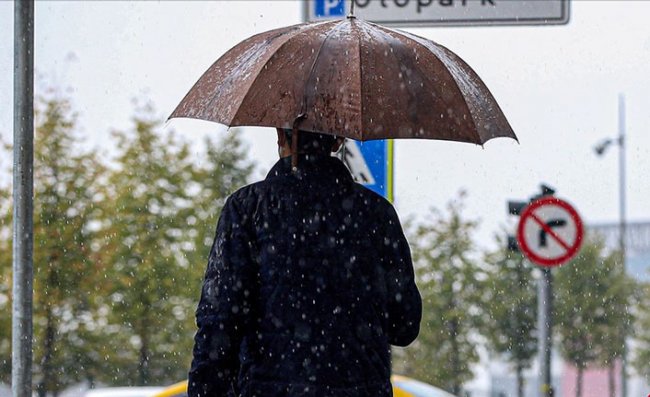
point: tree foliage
(511, 315)
(591, 307)
(146, 209)
(120, 250)
(163, 209)
(5, 280)
(222, 170)
(448, 276)
(65, 206)
(642, 359)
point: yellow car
(402, 387)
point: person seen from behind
(308, 283)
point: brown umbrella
(348, 78)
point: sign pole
(549, 233)
(23, 189)
(545, 326)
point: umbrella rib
(215, 95)
(454, 60)
(291, 36)
(257, 75)
(303, 104)
(416, 39)
(394, 55)
(471, 114)
(360, 84)
(202, 116)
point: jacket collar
(324, 166)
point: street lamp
(600, 150)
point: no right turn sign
(550, 231)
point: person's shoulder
(373, 198)
(247, 193)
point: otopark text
(337, 7)
(422, 4)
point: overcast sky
(558, 86)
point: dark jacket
(308, 282)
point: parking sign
(329, 8)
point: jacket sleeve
(223, 312)
(404, 304)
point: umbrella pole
(294, 141)
(294, 149)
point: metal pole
(23, 190)
(305, 10)
(544, 324)
(623, 228)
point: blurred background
(126, 202)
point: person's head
(308, 142)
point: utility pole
(622, 246)
(600, 150)
(23, 193)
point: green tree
(147, 208)
(119, 253)
(65, 208)
(619, 297)
(223, 168)
(65, 198)
(164, 201)
(592, 297)
(447, 276)
(5, 284)
(642, 359)
(511, 314)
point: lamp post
(600, 150)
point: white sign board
(371, 164)
(357, 164)
(443, 12)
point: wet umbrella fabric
(348, 78)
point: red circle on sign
(529, 212)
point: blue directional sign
(329, 8)
(371, 164)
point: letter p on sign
(329, 8)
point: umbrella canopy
(348, 78)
